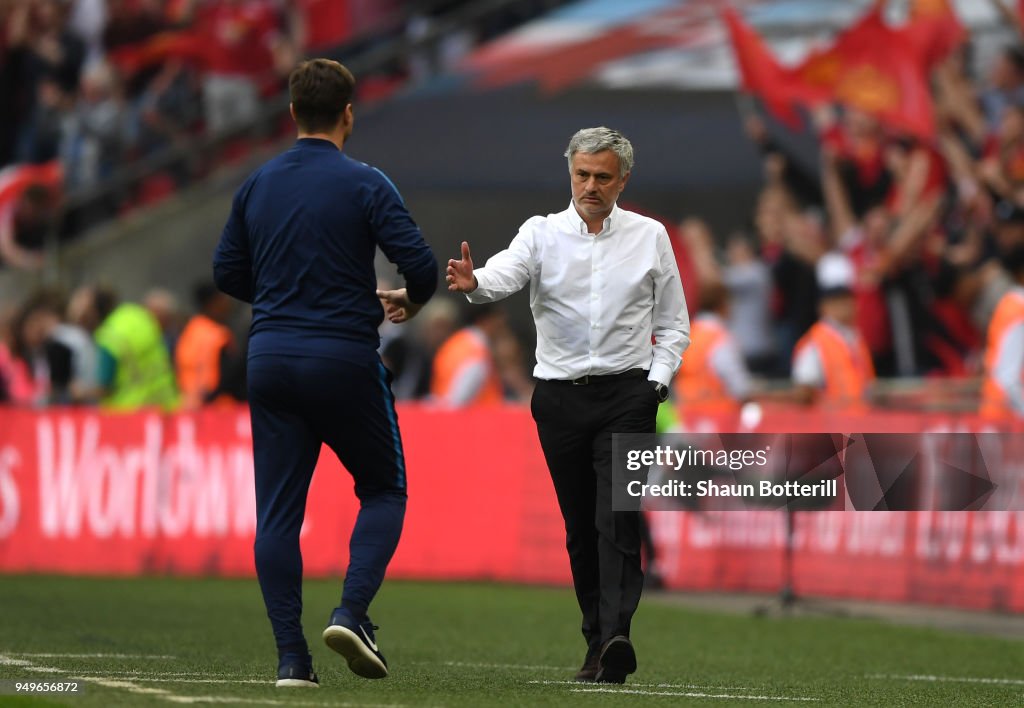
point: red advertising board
(83, 492)
(88, 493)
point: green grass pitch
(164, 642)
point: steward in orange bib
(464, 372)
(1002, 393)
(713, 377)
(207, 359)
(831, 362)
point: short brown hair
(320, 89)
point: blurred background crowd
(91, 87)
(891, 173)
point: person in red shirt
(244, 38)
(858, 144)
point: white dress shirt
(597, 299)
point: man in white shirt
(603, 282)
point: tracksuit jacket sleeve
(232, 262)
(401, 240)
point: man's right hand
(398, 308)
(460, 273)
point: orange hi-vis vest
(466, 346)
(847, 366)
(197, 358)
(698, 385)
(1008, 313)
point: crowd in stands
(90, 87)
(91, 348)
(926, 225)
(96, 83)
(93, 86)
(905, 241)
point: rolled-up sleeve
(670, 323)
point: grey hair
(591, 140)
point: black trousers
(575, 425)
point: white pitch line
(949, 679)
(651, 685)
(28, 665)
(134, 673)
(9, 661)
(150, 679)
(525, 667)
(273, 702)
(36, 655)
(128, 686)
(248, 701)
(132, 686)
(691, 694)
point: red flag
(891, 86)
(15, 179)
(934, 29)
(820, 71)
(565, 63)
(869, 66)
(760, 73)
(185, 45)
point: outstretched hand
(398, 307)
(460, 273)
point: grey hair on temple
(591, 140)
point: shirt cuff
(480, 295)
(660, 373)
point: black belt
(598, 378)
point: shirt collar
(321, 143)
(580, 226)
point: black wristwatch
(660, 389)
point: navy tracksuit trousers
(297, 404)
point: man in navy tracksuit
(299, 245)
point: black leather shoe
(588, 672)
(618, 659)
